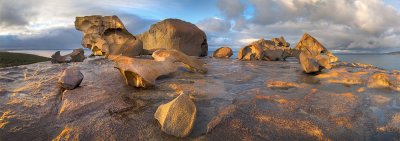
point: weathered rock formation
(177, 116)
(175, 34)
(142, 72)
(174, 56)
(311, 46)
(313, 56)
(77, 55)
(273, 50)
(250, 52)
(223, 52)
(70, 78)
(107, 35)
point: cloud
(214, 25)
(231, 8)
(339, 24)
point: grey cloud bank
(340, 25)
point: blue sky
(341, 25)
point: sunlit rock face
(177, 117)
(106, 35)
(174, 56)
(175, 34)
(311, 46)
(379, 80)
(253, 100)
(313, 56)
(142, 72)
(272, 50)
(77, 55)
(223, 52)
(249, 53)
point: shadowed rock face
(71, 78)
(107, 35)
(173, 55)
(175, 34)
(223, 52)
(77, 55)
(142, 72)
(177, 117)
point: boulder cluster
(312, 55)
(270, 50)
(107, 35)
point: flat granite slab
(235, 100)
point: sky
(341, 25)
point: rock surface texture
(177, 117)
(174, 56)
(234, 100)
(106, 35)
(309, 45)
(223, 52)
(276, 49)
(142, 72)
(71, 78)
(77, 55)
(249, 53)
(313, 56)
(175, 34)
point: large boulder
(174, 56)
(223, 52)
(77, 55)
(312, 47)
(106, 35)
(250, 52)
(70, 78)
(177, 117)
(311, 64)
(175, 34)
(142, 72)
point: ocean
(389, 62)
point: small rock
(77, 55)
(177, 116)
(379, 80)
(281, 85)
(223, 52)
(71, 78)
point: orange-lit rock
(249, 53)
(176, 56)
(312, 47)
(223, 52)
(177, 117)
(142, 72)
(175, 34)
(106, 35)
(281, 84)
(378, 80)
